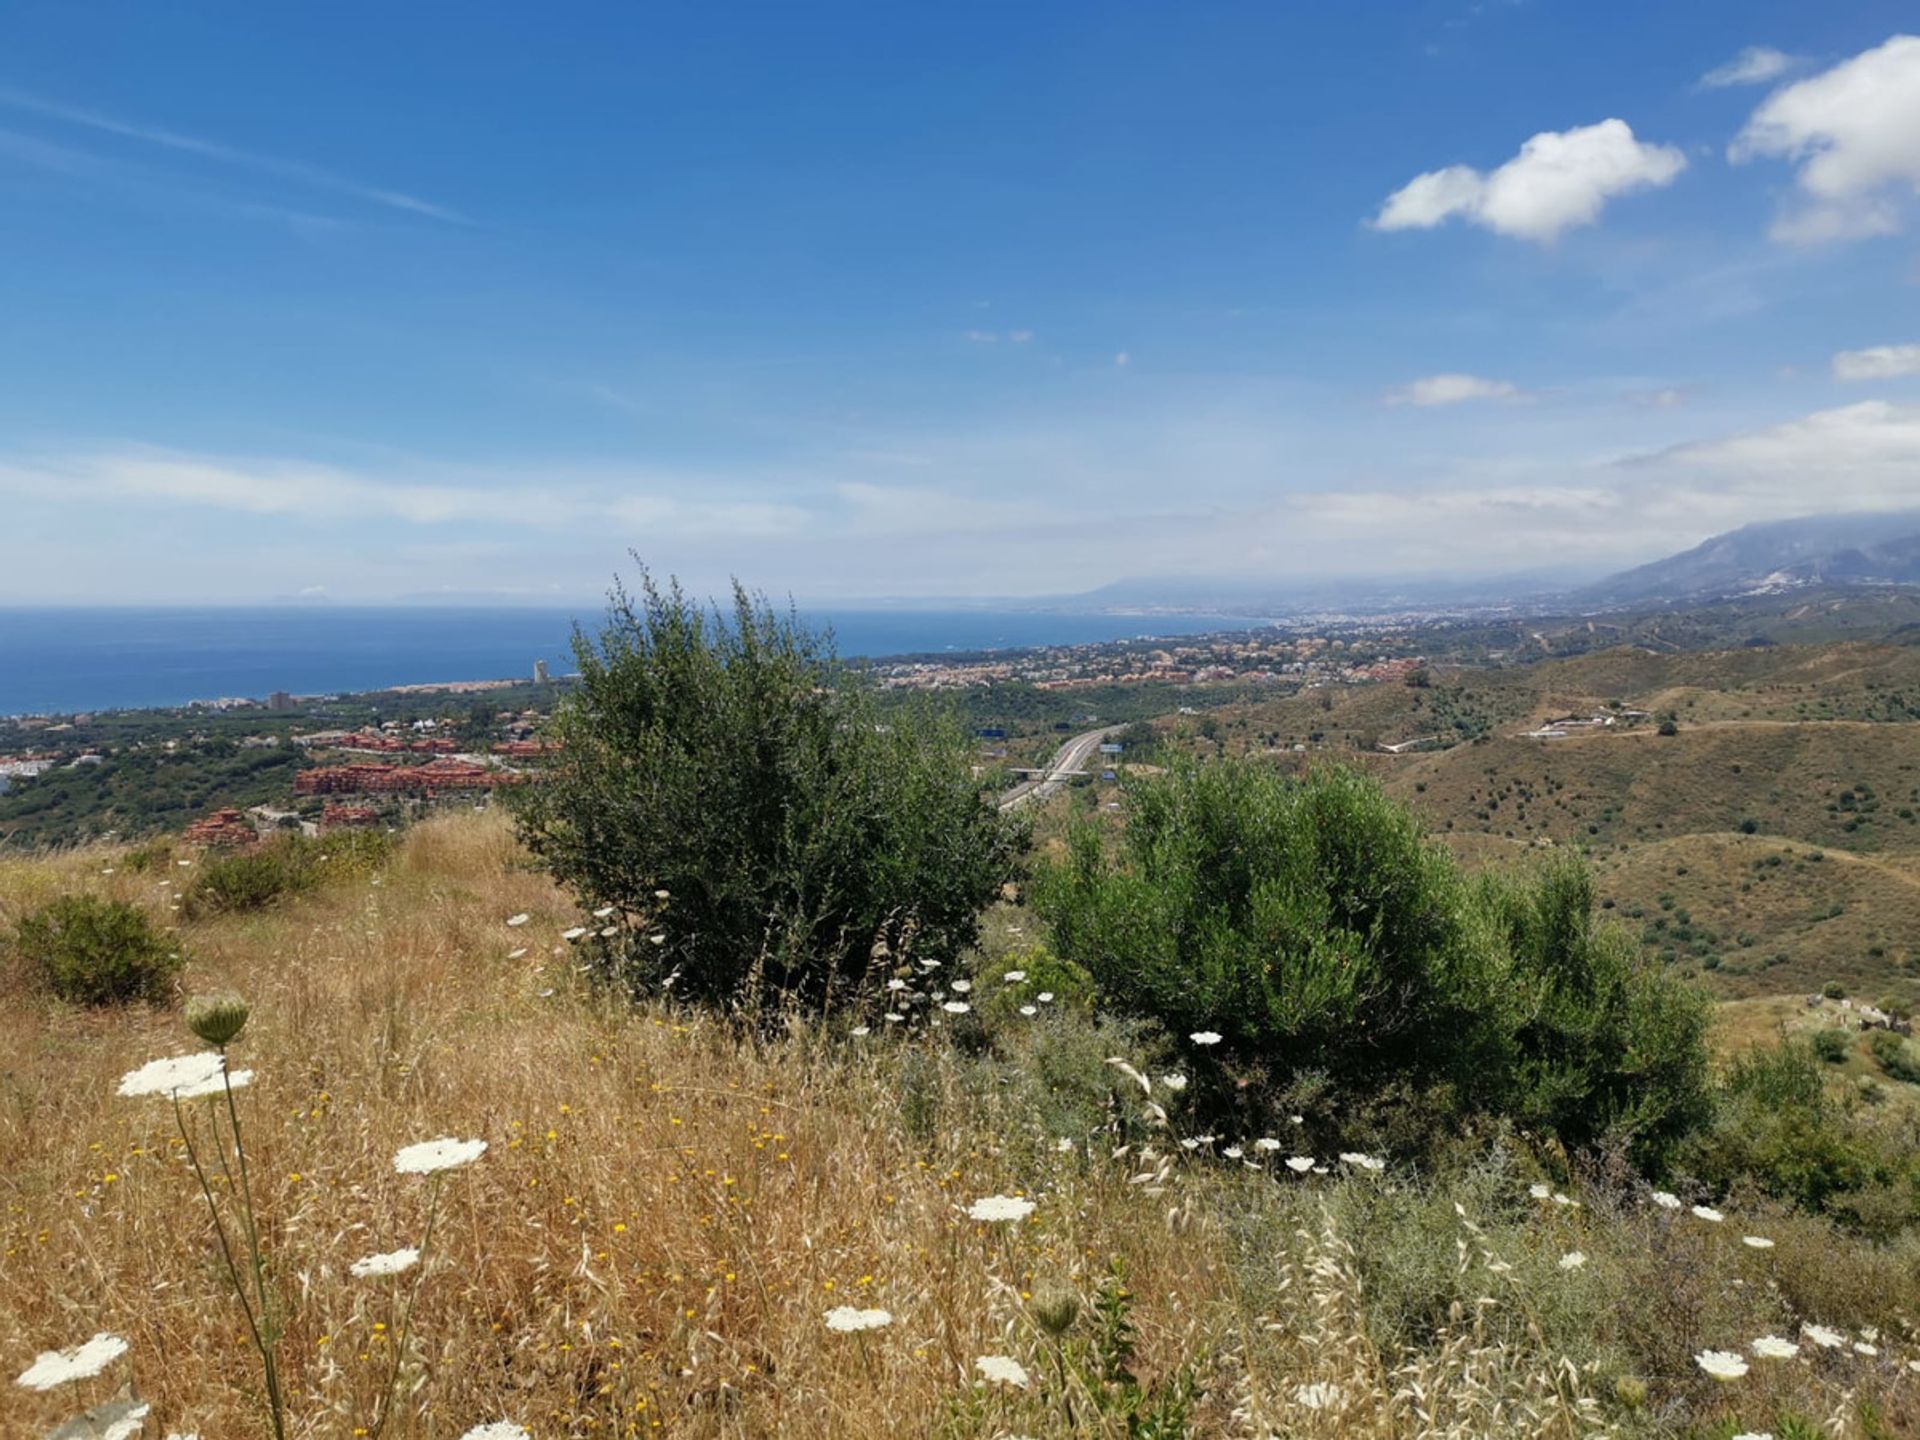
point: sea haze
(63, 660)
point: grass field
(667, 1210)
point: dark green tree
(1310, 925)
(769, 837)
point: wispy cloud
(1431, 390)
(1755, 65)
(304, 491)
(296, 171)
(1877, 362)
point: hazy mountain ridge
(1881, 548)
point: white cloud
(1854, 457)
(1755, 65)
(1558, 181)
(1854, 131)
(1123, 359)
(1432, 390)
(300, 490)
(983, 337)
(1877, 362)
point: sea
(59, 661)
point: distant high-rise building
(279, 700)
(539, 672)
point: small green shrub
(92, 951)
(1778, 1127)
(1830, 1045)
(285, 865)
(1899, 1058)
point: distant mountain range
(1881, 548)
(1874, 549)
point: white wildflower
(1266, 1143)
(1000, 1207)
(519, 954)
(116, 1420)
(498, 1430)
(1205, 1037)
(1175, 1082)
(1540, 1192)
(1014, 977)
(1721, 1364)
(956, 1007)
(1063, 1145)
(961, 987)
(1300, 1164)
(603, 912)
(1772, 1347)
(1002, 1370)
(81, 1362)
(1824, 1336)
(859, 1030)
(516, 921)
(430, 1157)
(1029, 1011)
(892, 1018)
(574, 932)
(174, 1074)
(1860, 1347)
(1233, 1152)
(1360, 1161)
(393, 1262)
(215, 1085)
(1756, 1242)
(1665, 1199)
(896, 984)
(1707, 1212)
(851, 1320)
(1045, 997)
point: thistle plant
(218, 1020)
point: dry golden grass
(666, 1211)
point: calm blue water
(97, 659)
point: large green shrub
(93, 951)
(1310, 925)
(804, 844)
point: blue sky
(370, 301)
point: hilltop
(667, 1210)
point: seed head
(217, 1019)
(1055, 1309)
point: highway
(1072, 755)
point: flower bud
(216, 1019)
(1055, 1309)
